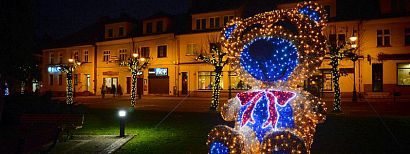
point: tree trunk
(133, 87)
(216, 88)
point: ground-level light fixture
(122, 114)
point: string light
(275, 52)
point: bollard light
(122, 114)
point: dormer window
(121, 31)
(227, 18)
(149, 28)
(160, 26)
(110, 32)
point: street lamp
(69, 69)
(136, 65)
(122, 114)
(354, 57)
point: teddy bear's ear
(230, 27)
(312, 10)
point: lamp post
(136, 64)
(354, 58)
(69, 69)
(122, 114)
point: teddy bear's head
(281, 47)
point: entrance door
(140, 85)
(377, 77)
(158, 84)
(87, 82)
(184, 83)
(110, 83)
(128, 85)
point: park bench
(41, 131)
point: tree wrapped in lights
(219, 64)
(136, 65)
(69, 69)
(274, 52)
(337, 53)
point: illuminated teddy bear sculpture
(274, 52)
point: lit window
(403, 74)
(236, 82)
(192, 49)
(206, 79)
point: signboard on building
(158, 71)
(54, 69)
(111, 73)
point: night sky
(62, 17)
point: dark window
(217, 22)
(341, 39)
(51, 79)
(211, 23)
(60, 79)
(383, 38)
(160, 25)
(214, 47)
(149, 27)
(110, 33)
(145, 52)
(106, 56)
(121, 31)
(226, 19)
(198, 24)
(75, 79)
(407, 36)
(332, 39)
(203, 24)
(123, 54)
(85, 55)
(162, 51)
(327, 10)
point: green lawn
(187, 132)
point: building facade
(383, 47)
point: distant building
(173, 42)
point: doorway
(128, 85)
(110, 83)
(377, 77)
(87, 82)
(184, 83)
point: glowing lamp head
(122, 113)
(78, 63)
(70, 60)
(142, 59)
(353, 38)
(135, 55)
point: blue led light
(312, 14)
(269, 59)
(228, 31)
(218, 148)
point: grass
(187, 132)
